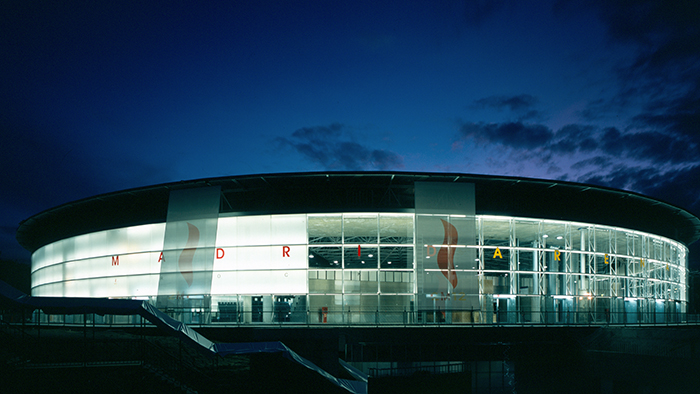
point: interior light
(545, 236)
(560, 237)
(311, 256)
(389, 262)
(363, 262)
(370, 255)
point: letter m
(115, 260)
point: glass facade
(384, 268)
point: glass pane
(496, 259)
(396, 257)
(325, 309)
(328, 257)
(361, 230)
(325, 281)
(526, 260)
(395, 229)
(325, 229)
(360, 281)
(396, 281)
(394, 308)
(361, 257)
(361, 309)
(554, 234)
(526, 233)
(602, 240)
(496, 232)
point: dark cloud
(521, 106)
(655, 146)
(680, 115)
(597, 161)
(520, 102)
(332, 147)
(572, 138)
(666, 35)
(511, 134)
(672, 186)
(334, 130)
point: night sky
(99, 96)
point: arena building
(371, 248)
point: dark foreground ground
(496, 360)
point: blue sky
(102, 96)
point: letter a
(497, 253)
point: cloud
(670, 186)
(514, 103)
(511, 134)
(596, 161)
(654, 146)
(333, 147)
(573, 137)
(666, 40)
(522, 106)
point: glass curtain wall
(360, 268)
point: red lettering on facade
(359, 253)
(431, 250)
(160, 258)
(285, 251)
(115, 260)
(219, 253)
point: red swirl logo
(446, 254)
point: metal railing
(320, 318)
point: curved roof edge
(357, 191)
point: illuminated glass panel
(496, 231)
(361, 257)
(396, 281)
(325, 229)
(325, 257)
(396, 229)
(496, 259)
(396, 257)
(325, 281)
(360, 281)
(360, 229)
